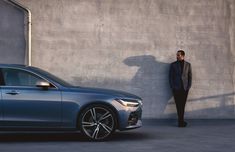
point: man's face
(179, 57)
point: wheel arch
(114, 110)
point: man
(180, 77)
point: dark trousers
(180, 97)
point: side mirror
(43, 84)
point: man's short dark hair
(181, 52)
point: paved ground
(155, 135)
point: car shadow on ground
(68, 137)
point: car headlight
(129, 102)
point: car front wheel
(97, 122)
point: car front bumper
(128, 117)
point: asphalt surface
(155, 135)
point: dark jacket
(178, 78)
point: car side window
(16, 77)
(1, 78)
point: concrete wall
(129, 44)
(12, 34)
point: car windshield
(52, 77)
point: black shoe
(182, 124)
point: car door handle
(13, 92)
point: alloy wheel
(97, 122)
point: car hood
(117, 93)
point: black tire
(97, 122)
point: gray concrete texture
(12, 34)
(129, 44)
(154, 136)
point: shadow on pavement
(132, 136)
(68, 137)
(41, 137)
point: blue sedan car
(34, 99)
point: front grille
(134, 117)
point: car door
(25, 104)
(1, 109)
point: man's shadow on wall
(150, 83)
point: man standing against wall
(180, 77)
